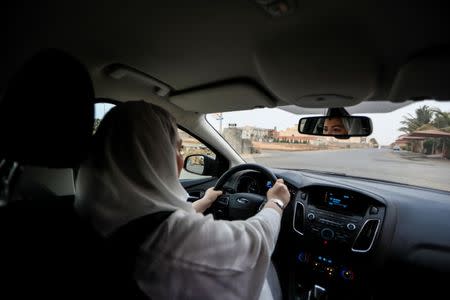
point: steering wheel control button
(327, 234)
(373, 210)
(311, 216)
(223, 200)
(218, 214)
(351, 226)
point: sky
(101, 109)
(385, 125)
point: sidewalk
(408, 154)
(412, 155)
(436, 156)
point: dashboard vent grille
(366, 236)
(299, 214)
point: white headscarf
(132, 168)
(347, 124)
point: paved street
(404, 167)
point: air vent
(299, 213)
(366, 236)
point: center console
(338, 228)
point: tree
(429, 119)
(424, 115)
(373, 142)
(441, 119)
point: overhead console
(342, 218)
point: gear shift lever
(317, 293)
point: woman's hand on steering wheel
(240, 206)
(278, 192)
(208, 199)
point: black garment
(48, 252)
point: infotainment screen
(339, 201)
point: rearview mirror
(339, 127)
(200, 164)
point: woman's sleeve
(201, 242)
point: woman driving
(133, 171)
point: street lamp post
(219, 117)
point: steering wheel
(239, 206)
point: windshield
(410, 145)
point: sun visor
(425, 77)
(328, 69)
(229, 97)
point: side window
(100, 110)
(193, 146)
(190, 144)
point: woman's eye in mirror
(338, 130)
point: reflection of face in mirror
(334, 126)
(338, 126)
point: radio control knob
(347, 274)
(327, 234)
(311, 216)
(351, 226)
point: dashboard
(338, 217)
(336, 227)
(355, 237)
(253, 182)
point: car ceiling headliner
(349, 48)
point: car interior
(342, 237)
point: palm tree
(428, 118)
(441, 119)
(424, 115)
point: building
(291, 135)
(257, 134)
(238, 139)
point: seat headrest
(47, 112)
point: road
(386, 164)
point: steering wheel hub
(239, 206)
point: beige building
(257, 134)
(291, 135)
